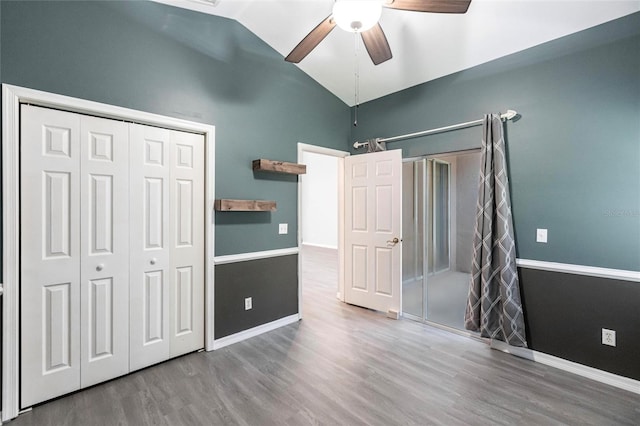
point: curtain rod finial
(509, 114)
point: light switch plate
(283, 228)
(248, 303)
(541, 235)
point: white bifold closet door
(167, 244)
(112, 249)
(74, 252)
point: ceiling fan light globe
(357, 15)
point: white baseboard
(255, 331)
(615, 380)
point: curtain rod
(509, 115)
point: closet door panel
(50, 254)
(104, 171)
(187, 242)
(149, 245)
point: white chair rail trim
(243, 257)
(592, 271)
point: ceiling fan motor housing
(362, 16)
(357, 15)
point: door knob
(100, 267)
(153, 261)
(395, 241)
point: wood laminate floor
(343, 365)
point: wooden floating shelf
(263, 165)
(225, 205)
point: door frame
(340, 155)
(12, 97)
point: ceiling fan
(361, 16)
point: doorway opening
(439, 204)
(320, 218)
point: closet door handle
(100, 267)
(153, 261)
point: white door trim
(302, 148)
(12, 97)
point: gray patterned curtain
(494, 308)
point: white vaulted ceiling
(425, 46)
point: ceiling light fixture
(361, 16)
(357, 16)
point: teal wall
(0, 45)
(574, 154)
(174, 62)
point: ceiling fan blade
(377, 45)
(311, 40)
(435, 6)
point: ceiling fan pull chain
(357, 81)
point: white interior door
(50, 254)
(186, 311)
(149, 245)
(373, 224)
(104, 245)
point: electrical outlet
(608, 337)
(248, 303)
(283, 228)
(541, 235)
